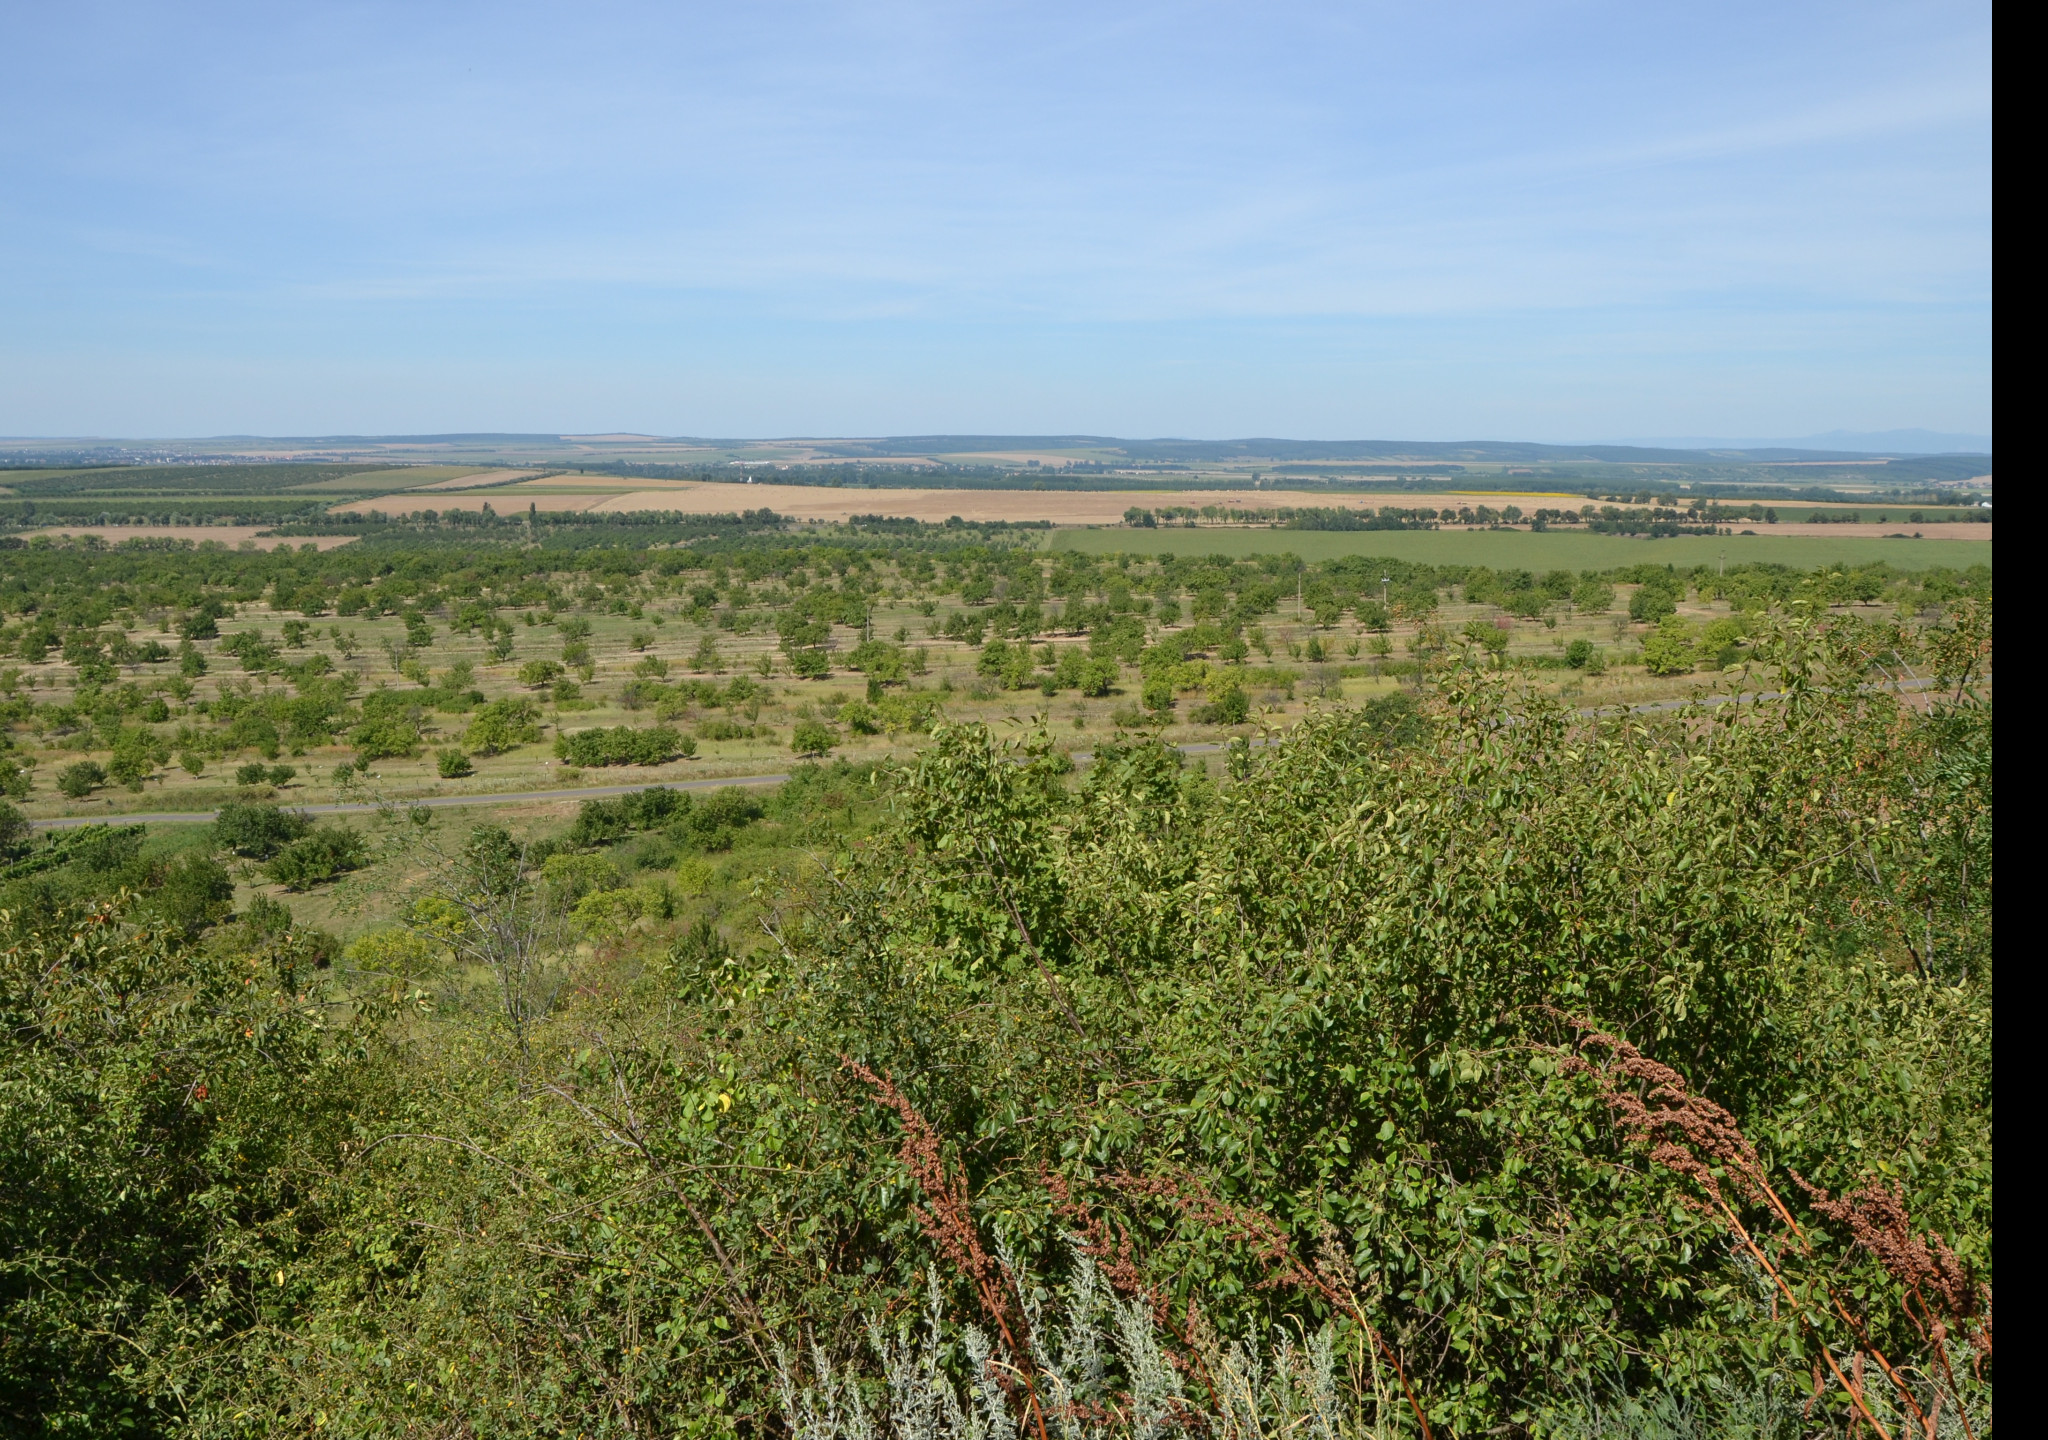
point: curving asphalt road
(431, 802)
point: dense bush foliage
(166, 1114)
(623, 745)
(320, 854)
(257, 831)
(1390, 1036)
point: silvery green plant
(1101, 1370)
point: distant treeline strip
(169, 480)
(1086, 475)
(1733, 481)
(707, 534)
(28, 514)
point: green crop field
(1520, 549)
(378, 481)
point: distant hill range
(1688, 452)
(1807, 466)
(1835, 445)
(1863, 442)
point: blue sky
(1532, 220)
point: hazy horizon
(1896, 442)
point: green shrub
(1652, 602)
(452, 764)
(717, 821)
(14, 829)
(813, 737)
(1579, 653)
(323, 854)
(1230, 707)
(202, 621)
(1394, 720)
(15, 783)
(136, 755)
(385, 739)
(1670, 648)
(623, 745)
(80, 778)
(1720, 643)
(901, 712)
(880, 660)
(503, 725)
(193, 892)
(160, 1174)
(106, 850)
(600, 822)
(257, 831)
(860, 717)
(569, 878)
(1098, 676)
(710, 823)
(1594, 597)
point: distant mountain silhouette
(1869, 442)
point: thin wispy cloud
(1478, 194)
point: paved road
(522, 797)
(432, 802)
(592, 792)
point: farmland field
(840, 503)
(1549, 550)
(405, 477)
